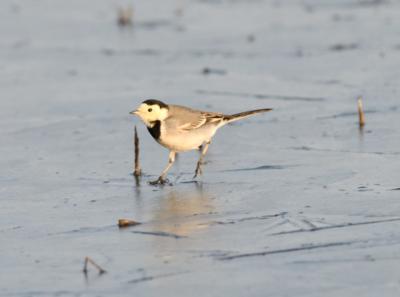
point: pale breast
(183, 140)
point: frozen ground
(297, 202)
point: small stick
(361, 116)
(179, 9)
(126, 223)
(125, 16)
(137, 171)
(89, 260)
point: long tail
(241, 115)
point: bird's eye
(150, 110)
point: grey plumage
(180, 128)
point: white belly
(186, 140)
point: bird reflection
(181, 212)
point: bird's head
(151, 111)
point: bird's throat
(155, 129)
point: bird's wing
(186, 119)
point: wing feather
(186, 119)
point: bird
(181, 129)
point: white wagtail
(180, 128)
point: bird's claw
(159, 181)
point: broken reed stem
(125, 16)
(122, 223)
(89, 260)
(361, 116)
(137, 171)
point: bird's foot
(159, 181)
(198, 171)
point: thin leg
(200, 162)
(161, 180)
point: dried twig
(361, 116)
(180, 8)
(137, 171)
(89, 260)
(127, 223)
(125, 16)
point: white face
(151, 113)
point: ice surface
(296, 202)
